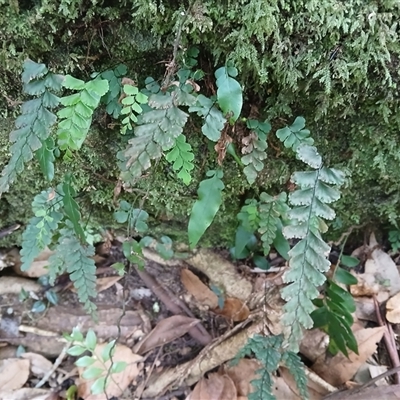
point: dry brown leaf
(339, 368)
(315, 391)
(198, 289)
(380, 270)
(314, 344)
(39, 364)
(14, 373)
(393, 309)
(215, 387)
(234, 309)
(106, 282)
(242, 374)
(14, 285)
(28, 394)
(164, 332)
(119, 381)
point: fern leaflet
(294, 135)
(76, 116)
(254, 148)
(34, 124)
(293, 362)
(70, 256)
(136, 218)
(182, 158)
(110, 99)
(39, 232)
(214, 120)
(131, 106)
(270, 211)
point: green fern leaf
(131, 106)
(70, 256)
(135, 217)
(214, 120)
(76, 116)
(136, 158)
(182, 158)
(39, 232)
(45, 156)
(249, 215)
(206, 207)
(254, 148)
(294, 135)
(71, 207)
(34, 124)
(229, 93)
(293, 362)
(110, 99)
(270, 211)
(308, 258)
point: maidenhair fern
(76, 116)
(110, 99)
(41, 228)
(182, 158)
(254, 146)
(214, 120)
(75, 259)
(34, 124)
(308, 258)
(131, 106)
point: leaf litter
(232, 303)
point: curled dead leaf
(234, 309)
(164, 332)
(198, 289)
(393, 309)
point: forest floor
(179, 323)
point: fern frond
(254, 149)
(39, 232)
(136, 217)
(249, 216)
(294, 135)
(308, 258)
(295, 366)
(182, 158)
(270, 211)
(132, 107)
(136, 158)
(70, 256)
(36, 119)
(76, 116)
(71, 207)
(110, 99)
(214, 120)
(157, 129)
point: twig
(388, 338)
(56, 364)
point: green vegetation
(144, 101)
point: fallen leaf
(14, 373)
(393, 309)
(164, 332)
(28, 394)
(315, 391)
(14, 285)
(120, 381)
(380, 270)
(106, 282)
(340, 369)
(201, 292)
(234, 309)
(215, 387)
(242, 374)
(39, 364)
